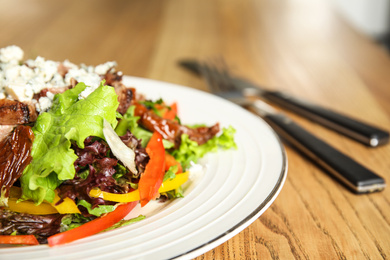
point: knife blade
(353, 175)
(360, 131)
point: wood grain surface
(303, 47)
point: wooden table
(303, 47)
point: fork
(346, 170)
(360, 131)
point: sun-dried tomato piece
(126, 96)
(15, 155)
(171, 130)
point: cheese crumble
(21, 80)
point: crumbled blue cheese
(11, 54)
(22, 81)
(45, 69)
(102, 69)
(69, 64)
(83, 75)
(18, 92)
(44, 103)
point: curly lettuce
(69, 120)
(190, 151)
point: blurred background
(370, 17)
(47, 28)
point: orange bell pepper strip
(19, 240)
(153, 175)
(95, 226)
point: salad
(79, 149)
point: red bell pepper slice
(171, 161)
(171, 113)
(19, 240)
(92, 227)
(153, 175)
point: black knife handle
(345, 169)
(366, 134)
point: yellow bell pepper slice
(45, 208)
(172, 184)
(66, 207)
(30, 207)
(167, 185)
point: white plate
(236, 187)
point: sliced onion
(118, 148)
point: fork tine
(218, 77)
(226, 76)
(222, 84)
(208, 73)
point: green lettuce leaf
(71, 221)
(125, 222)
(171, 173)
(174, 194)
(97, 211)
(69, 120)
(189, 151)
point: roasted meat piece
(14, 112)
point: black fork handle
(360, 131)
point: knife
(349, 172)
(357, 130)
